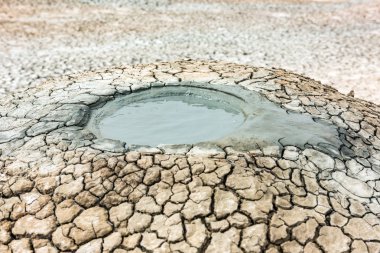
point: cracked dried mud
(63, 190)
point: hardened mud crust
(61, 189)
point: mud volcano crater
(198, 113)
(188, 156)
(175, 115)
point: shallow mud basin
(133, 159)
(200, 113)
(168, 116)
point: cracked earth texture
(62, 190)
(334, 41)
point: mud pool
(226, 116)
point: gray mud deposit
(226, 116)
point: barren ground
(336, 42)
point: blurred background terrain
(336, 42)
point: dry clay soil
(336, 42)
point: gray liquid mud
(174, 120)
(226, 116)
